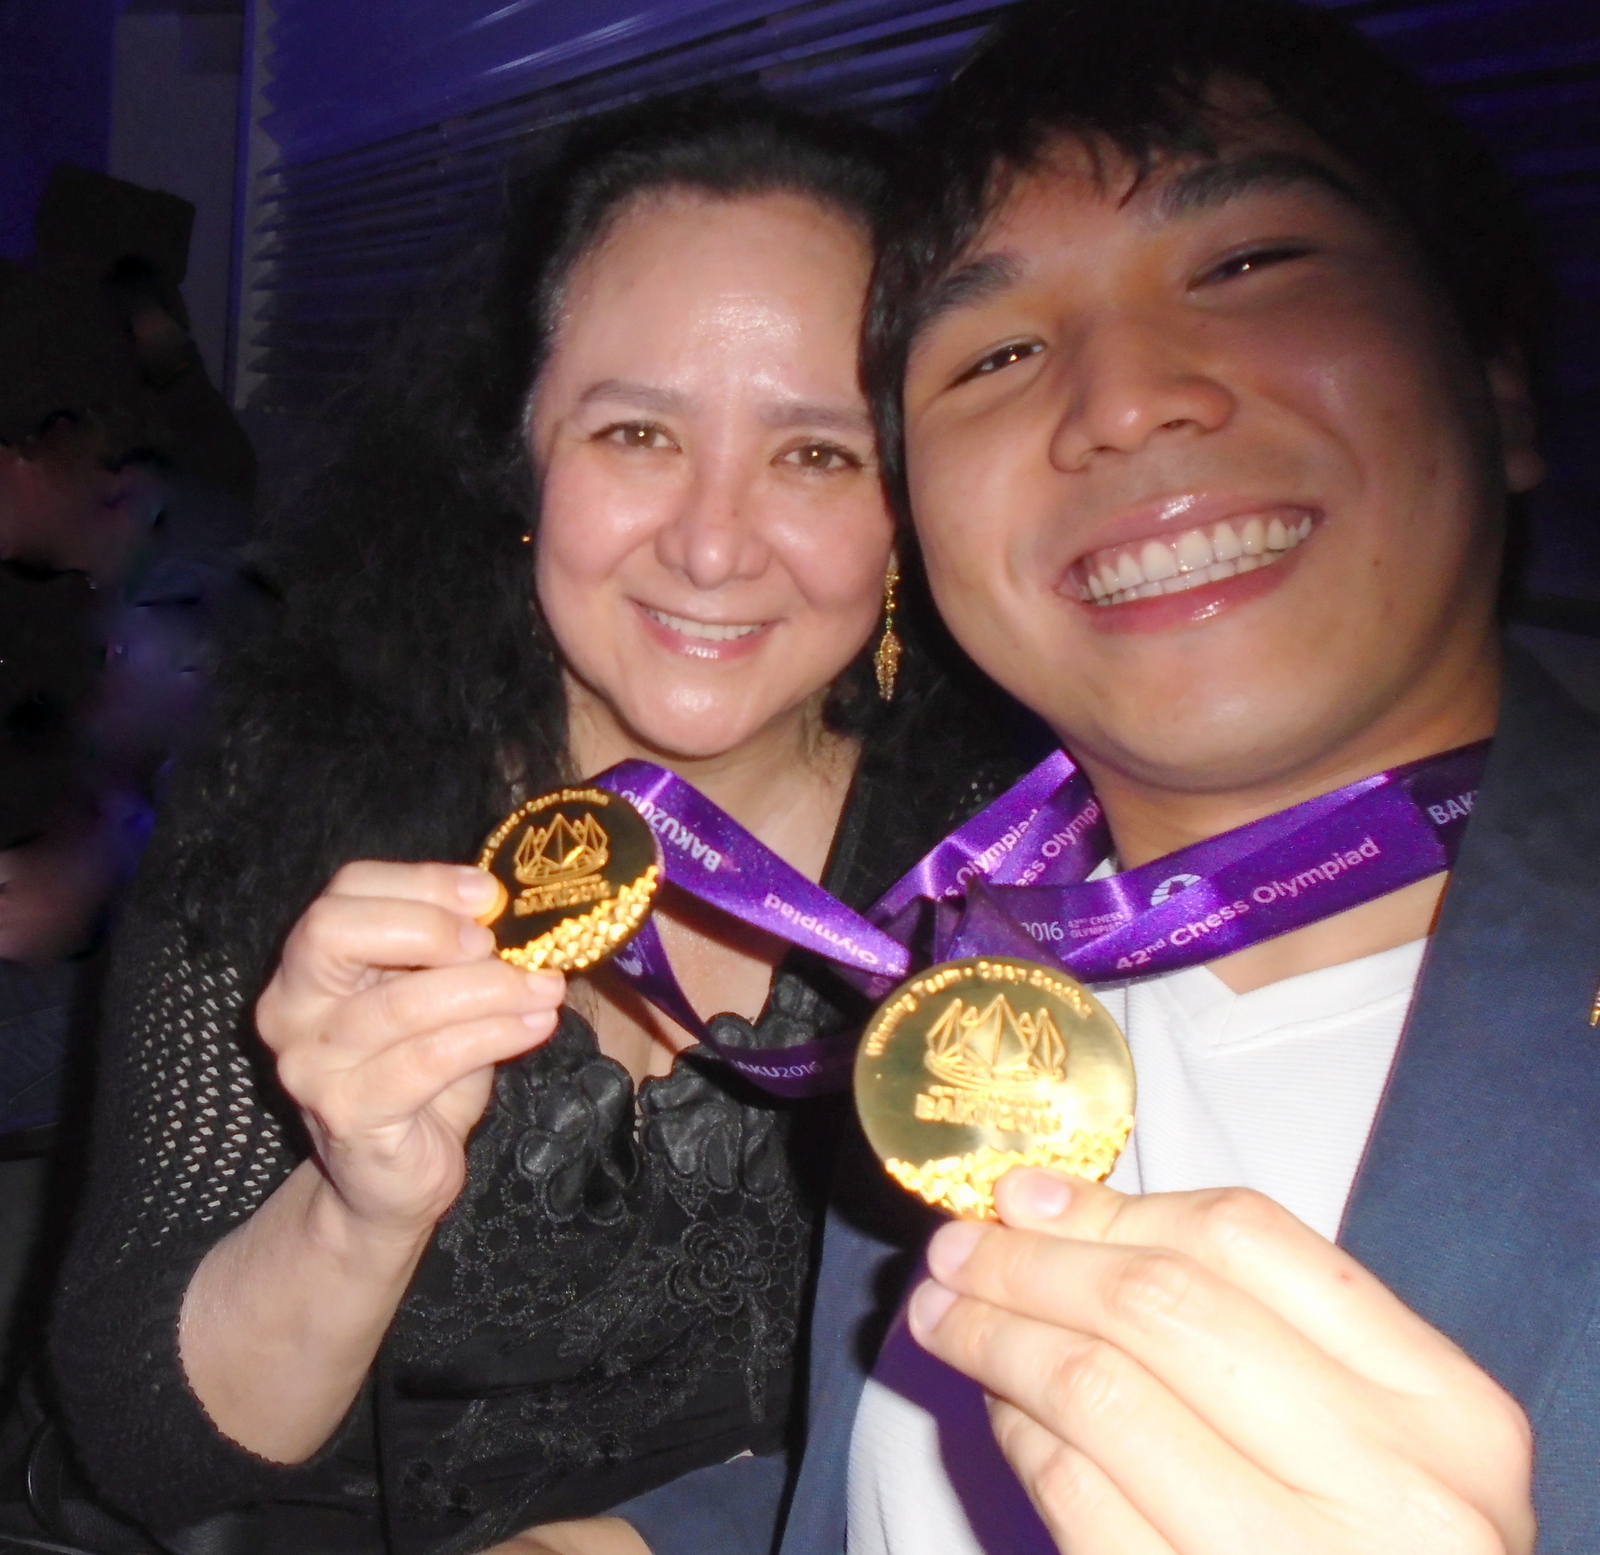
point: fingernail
(952, 1245)
(475, 939)
(476, 888)
(929, 1303)
(1036, 1194)
(547, 983)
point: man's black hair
(1132, 77)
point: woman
(482, 1260)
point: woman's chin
(675, 743)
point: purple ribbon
(1012, 881)
(709, 854)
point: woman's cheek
(838, 553)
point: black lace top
(614, 1300)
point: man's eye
(822, 457)
(998, 361)
(1253, 260)
(635, 434)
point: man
(1197, 284)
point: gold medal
(577, 869)
(976, 1066)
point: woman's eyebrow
(642, 396)
(1211, 184)
(779, 414)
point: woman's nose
(714, 535)
(1129, 383)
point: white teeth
(1194, 551)
(1156, 561)
(707, 630)
(1197, 556)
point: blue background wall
(55, 101)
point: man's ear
(1518, 421)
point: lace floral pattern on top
(617, 1264)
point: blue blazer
(1477, 1201)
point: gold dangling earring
(886, 659)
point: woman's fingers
(393, 1086)
(1085, 1512)
(406, 1010)
(375, 915)
(461, 888)
(340, 942)
(398, 1008)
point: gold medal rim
(580, 940)
(983, 1165)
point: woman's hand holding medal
(1143, 1354)
(386, 1016)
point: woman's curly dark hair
(410, 688)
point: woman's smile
(714, 640)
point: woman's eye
(1253, 260)
(823, 457)
(635, 434)
(998, 361)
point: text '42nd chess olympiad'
(577, 870)
(976, 1066)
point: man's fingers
(1258, 1246)
(1085, 1512)
(1097, 1398)
(1227, 1358)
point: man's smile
(1156, 564)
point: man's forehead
(1249, 149)
(1073, 177)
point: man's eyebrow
(781, 414)
(966, 286)
(1212, 184)
(642, 396)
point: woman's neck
(785, 784)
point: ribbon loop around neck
(1014, 880)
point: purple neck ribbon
(1013, 880)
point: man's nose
(1129, 383)
(714, 535)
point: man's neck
(1149, 820)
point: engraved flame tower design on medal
(561, 850)
(996, 1050)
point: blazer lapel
(1478, 1200)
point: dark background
(369, 136)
